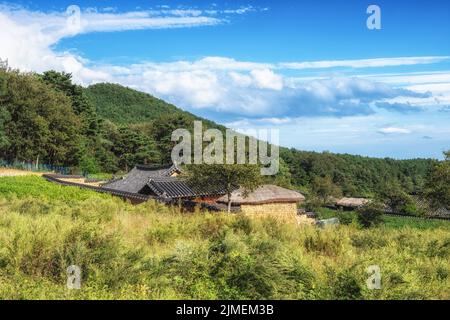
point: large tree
(4, 114)
(133, 147)
(324, 189)
(395, 197)
(437, 187)
(161, 130)
(62, 82)
(227, 177)
(40, 123)
(4, 118)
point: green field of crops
(38, 188)
(151, 251)
(388, 220)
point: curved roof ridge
(263, 194)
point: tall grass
(154, 252)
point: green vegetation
(152, 251)
(398, 200)
(324, 188)
(123, 105)
(225, 177)
(388, 221)
(370, 215)
(37, 122)
(438, 183)
(413, 222)
(356, 175)
(35, 187)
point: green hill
(124, 105)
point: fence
(30, 166)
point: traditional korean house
(163, 183)
(267, 199)
(136, 180)
(351, 203)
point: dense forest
(47, 118)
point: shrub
(323, 242)
(370, 215)
(312, 204)
(344, 285)
(346, 217)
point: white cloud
(74, 21)
(413, 78)
(364, 63)
(267, 79)
(27, 36)
(393, 130)
(217, 83)
(274, 120)
(241, 80)
(253, 92)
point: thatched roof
(263, 194)
(352, 202)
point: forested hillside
(123, 105)
(356, 175)
(110, 128)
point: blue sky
(310, 68)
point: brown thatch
(262, 195)
(352, 202)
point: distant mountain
(124, 105)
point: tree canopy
(37, 121)
(437, 186)
(228, 177)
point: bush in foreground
(370, 215)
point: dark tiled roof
(123, 194)
(175, 188)
(158, 181)
(136, 180)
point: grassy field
(154, 252)
(388, 220)
(36, 187)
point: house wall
(304, 220)
(280, 210)
(211, 199)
